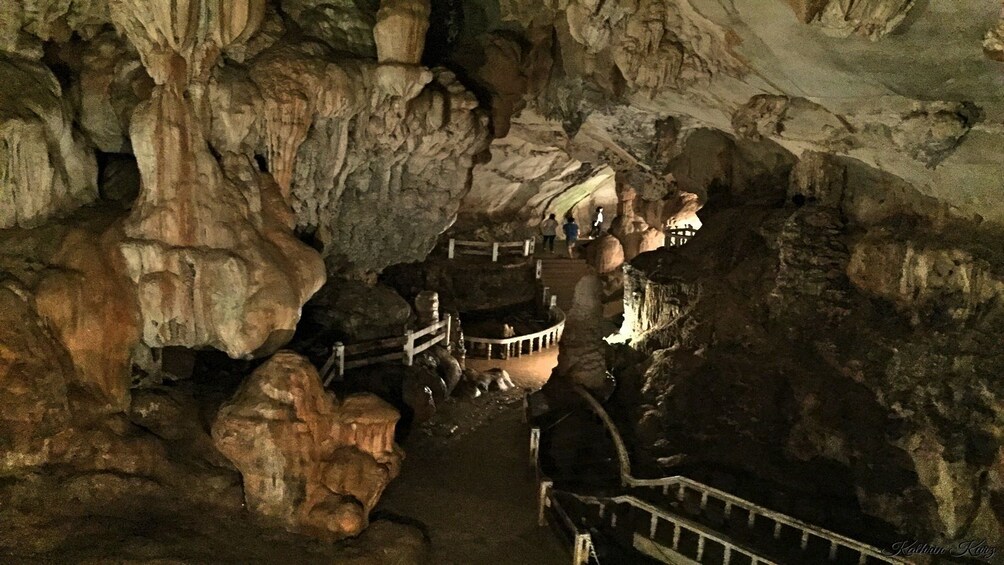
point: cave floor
(466, 476)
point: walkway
(475, 491)
(561, 274)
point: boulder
(358, 312)
(606, 254)
(309, 462)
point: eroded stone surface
(308, 461)
(46, 168)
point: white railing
(515, 346)
(582, 543)
(676, 237)
(646, 542)
(399, 348)
(494, 250)
(681, 484)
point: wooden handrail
(407, 346)
(679, 523)
(493, 248)
(628, 480)
(582, 541)
(545, 338)
(676, 237)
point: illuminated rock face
(46, 169)
(310, 462)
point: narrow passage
(467, 474)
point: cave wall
(159, 165)
(829, 328)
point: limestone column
(399, 35)
(580, 357)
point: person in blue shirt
(571, 234)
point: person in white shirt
(597, 223)
(549, 228)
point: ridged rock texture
(312, 463)
(201, 226)
(46, 168)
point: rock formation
(873, 19)
(605, 255)
(308, 461)
(580, 359)
(46, 168)
(801, 301)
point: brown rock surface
(606, 254)
(309, 462)
(90, 304)
(400, 30)
(580, 359)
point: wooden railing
(682, 484)
(518, 345)
(398, 348)
(583, 551)
(646, 543)
(676, 237)
(494, 250)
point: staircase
(561, 275)
(694, 523)
(678, 520)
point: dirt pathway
(467, 475)
(474, 491)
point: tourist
(597, 223)
(550, 230)
(571, 234)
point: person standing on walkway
(571, 234)
(597, 228)
(549, 228)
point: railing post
(453, 244)
(495, 252)
(340, 351)
(582, 543)
(545, 488)
(335, 362)
(526, 247)
(534, 446)
(409, 348)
